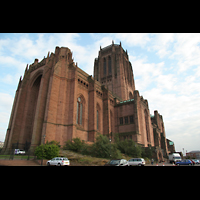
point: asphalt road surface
(168, 164)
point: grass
(89, 160)
(22, 157)
(76, 157)
(83, 159)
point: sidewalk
(19, 163)
(160, 164)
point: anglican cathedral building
(56, 100)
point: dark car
(117, 162)
(184, 162)
(193, 162)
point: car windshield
(65, 158)
(114, 162)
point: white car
(136, 162)
(19, 151)
(58, 161)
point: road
(167, 164)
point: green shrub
(148, 152)
(129, 147)
(75, 145)
(103, 149)
(49, 151)
(54, 142)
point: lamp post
(110, 148)
(42, 149)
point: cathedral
(56, 100)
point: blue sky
(166, 69)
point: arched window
(130, 95)
(109, 65)
(79, 111)
(104, 66)
(97, 119)
(162, 128)
(147, 125)
(111, 121)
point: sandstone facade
(56, 100)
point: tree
(129, 147)
(75, 145)
(54, 142)
(148, 151)
(103, 148)
(48, 151)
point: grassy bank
(86, 160)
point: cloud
(161, 43)
(168, 82)
(186, 50)
(145, 73)
(132, 39)
(185, 131)
(6, 102)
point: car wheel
(189, 164)
(59, 164)
(48, 164)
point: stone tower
(113, 69)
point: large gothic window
(109, 65)
(104, 66)
(147, 125)
(79, 111)
(97, 119)
(98, 113)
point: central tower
(113, 69)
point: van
(174, 157)
(136, 162)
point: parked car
(184, 162)
(19, 151)
(136, 162)
(193, 162)
(196, 161)
(58, 161)
(117, 162)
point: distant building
(1, 144)
(170, 145)
(194, 154)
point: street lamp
(42, 149)
(110, 148)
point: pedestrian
(152, 160)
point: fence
(13, 155)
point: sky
(166, 69)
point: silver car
(117, 162)
(58, 161)
(136, 162)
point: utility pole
(42, 149)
